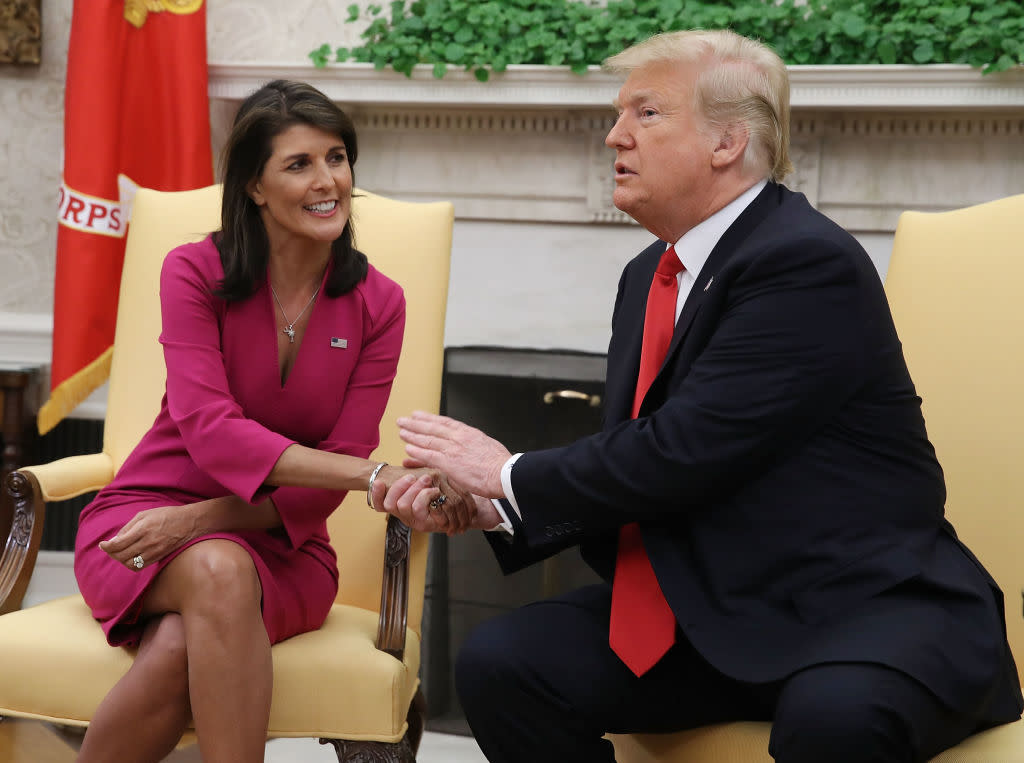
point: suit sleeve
(786, 352)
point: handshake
(451, 473)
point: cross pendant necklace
(289, 328)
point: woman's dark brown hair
(242, 239)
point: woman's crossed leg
(204, 655)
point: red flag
(136, 113)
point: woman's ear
(253, 189)
(731, 146)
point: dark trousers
(541, 684)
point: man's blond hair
(740, 81)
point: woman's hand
(151, 534)
(427, 501)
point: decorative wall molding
(951, 125)
(897, 87)
(463, 120)
(936, 124)
(904, 87)
(26, 338)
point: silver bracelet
(369, 485)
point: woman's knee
(221, 577)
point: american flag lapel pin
(339, 342)
(708, 284)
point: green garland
(486, 36)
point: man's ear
(731, 145)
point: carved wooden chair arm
(394, 594)
(25, 494)
(21, 525)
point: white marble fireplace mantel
(896, 87)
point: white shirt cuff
(506, 485)
(504, 525)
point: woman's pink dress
(223, 423)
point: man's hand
(151, 534)
(468, 456)
(410, 498)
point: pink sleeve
(231, 448)
(357, 430)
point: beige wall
(31, 139)
(32, 111)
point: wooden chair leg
(372, 752)
(417, 720)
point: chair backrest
(160, 221)
(408, 242)
(411, 243)
(954, 284)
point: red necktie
(642, 626)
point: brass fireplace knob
(571, 394)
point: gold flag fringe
(73, 390)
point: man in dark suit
(763, 500)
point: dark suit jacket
(790, 501)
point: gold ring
(437, 503)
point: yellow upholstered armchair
(353, 683)
(954, 285)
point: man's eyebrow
(642, 95)
(637, 96)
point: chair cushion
(741, 742)
(332, 683)
(1003, 743)
(746, 742)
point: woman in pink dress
(281, 343)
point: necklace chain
(289, 329)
